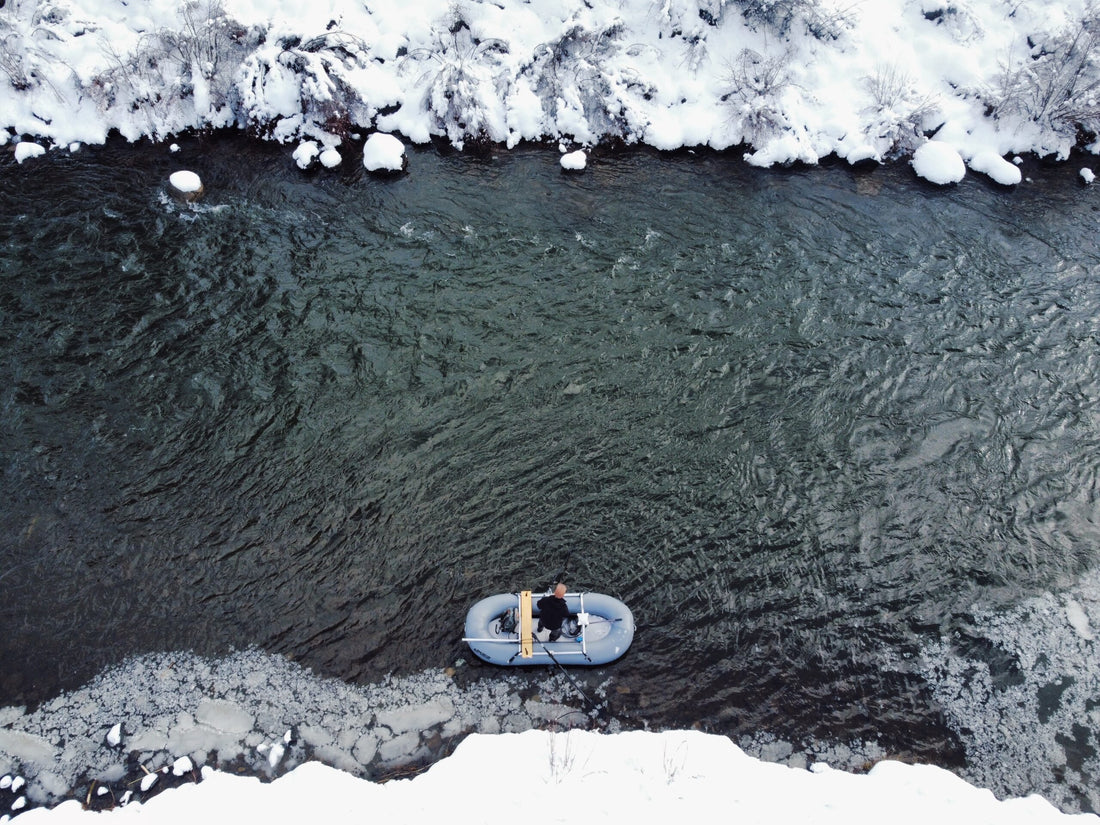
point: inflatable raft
(501, 630)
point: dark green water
(799, 420)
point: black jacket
(552, 611)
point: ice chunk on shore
(26, 747)
(225, 716)
(1078, 619)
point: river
(801, 420)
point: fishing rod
(562, 573)
(569, 676)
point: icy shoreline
(635, 776)
(156, 721)
(795, 81)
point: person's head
(559, 590)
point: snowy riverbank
(628, 777)
(792, 80)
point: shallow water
(801, 421)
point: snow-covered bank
(261, 714)
(793, 80)
(590, 777)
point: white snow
(114, 735)
(1087, 175)
(383, 152)
(581, 776)
(1002, 171)
(275, 755)
(938, 162)
(859, 81)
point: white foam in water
(1025, 700)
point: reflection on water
(800, 421)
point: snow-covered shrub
(570, 75)
(11, 60)
(900, 112)
(312, 87)
(756, 83)
(323, 66)
(1057, 84)
(20, 26)
(821, 19)
(464, 83)
(195, 60)
(692, 21)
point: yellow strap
(526, 647)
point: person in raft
(553, 612)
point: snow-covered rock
(28, 149)
(306, 153)
(383, 153)
(1087, 175)
(185, 185)
(938, 163)
(574, 160)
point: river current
(824, 430)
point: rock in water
(384, 153)
(576, 160)
(185, 185)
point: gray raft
(599, 630)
